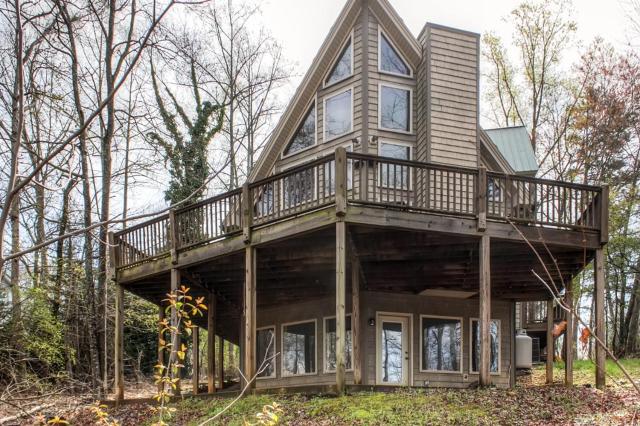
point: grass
(584, 372)
(529, 403)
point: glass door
(392, 350)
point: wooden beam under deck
(295, 227)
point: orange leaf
(584, 336)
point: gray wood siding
(373, 302)
(448, 97)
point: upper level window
(393, 175)
(338, 114)
(306, 134)
(395, 108)
(344, 67)
(389, 59)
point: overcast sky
(302, 25)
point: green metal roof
(514, 144)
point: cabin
(383, 238)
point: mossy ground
(530, 402)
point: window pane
(394, 175)
(390, 60)
(305, 137)
(394, 108)
(298, 188)
(266, 343)
(330, 344)
(299, 348)
(494, 332)
(391, 347)
(441, 344)
(338, 115)
(342, 69)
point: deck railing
(366, 180)
(535, 313)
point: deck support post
(220, 363)
(195, 359)
(568, 336)
(550, 342)
(161, 341)
(249, 350)
(355, 321)
(175, 334)
(599, 317)
(485, 310)
(211, 344)
(340, 305)
(119, 344)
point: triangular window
(390, 60)
(306, 134)
(342, 69)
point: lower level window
(330, 344)
(441, 343)
(494, 344)
(266, 349)
(299, 348)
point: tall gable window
(306, 134)
(338, 114)
(389, 58)
(395, 108)
(344, 67)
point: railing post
(247, 213)
(174, 237)
(604, 214)
(481, 199)
(113, 256)
(341, 181)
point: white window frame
(381, 32)
(324, 112)
(325, 336)
(493, 373)
(275, 351)
(401, 87)
(283, 372)
(283, 155)
(394, 142)
(461, 319)
(351, 39)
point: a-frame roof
(330, 48)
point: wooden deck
(379, 192)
